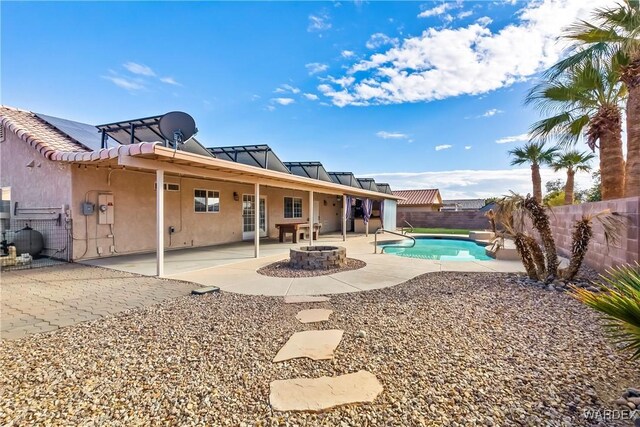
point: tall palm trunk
(568, 187)
(607, 127)
(537, 182)
(540, 221)
(631, 78)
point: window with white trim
(293, 207)
(206, 201)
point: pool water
(439, 249)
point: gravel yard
(282, 269)
(449, 348)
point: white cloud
(469, 60)
(516, 138)
(311, 96)
(347, 53)
(270, 108)
(484, 21)
(438, 10)
(492, 112)
(391, 135)
(124, 83)
(140, 69)
(287, 88)
(316, 67)
(170, 81)
(464, 14)
(283, 101)
(467, 147)
(473, 183)
(379, 39)
(443, 147)
(343, 81)
(318, 22)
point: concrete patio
(45, 299)
(233, 268)
(49, 298)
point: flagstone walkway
(318, 394)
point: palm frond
(619, 303)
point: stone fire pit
(318, 257)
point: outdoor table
(294, 228)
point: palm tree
(573, 161)
(585, 100)
(614, 35)
(537, 155)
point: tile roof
(43, 137)
(55, 145)
(418, 197)
(465, 204)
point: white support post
(159, 223)
(256, 237)
(344, 217)
(311, 218)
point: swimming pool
(439, 249)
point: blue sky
(418, 94)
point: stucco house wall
(45, 184)
(135, 212)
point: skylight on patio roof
(344, 178)
(368, 184)
(313, 170)
(261, 156)
(146, 129)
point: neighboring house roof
(488, 206)
(424, 197)
(464, 204)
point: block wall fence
(428, 219)
(599, 256)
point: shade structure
(368, 184)
(261, 156)
(345, 178)
(146, 129)
(313, 170)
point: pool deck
(233, 269)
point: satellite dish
(177, 126)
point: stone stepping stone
(318, 394)
(299, 299)
(205, 290)
(314, 315)
(316, 345)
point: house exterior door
(249, 216)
